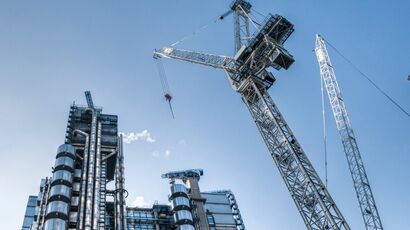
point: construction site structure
(248, 75)
(87, 188)
(361, 183)
(75, 197)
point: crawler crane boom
(361, 183)
(247, 72)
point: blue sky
(51, 52)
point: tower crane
(360, 181)
(248, 75)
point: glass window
(30, 211)
(32, 201)
(28, 220)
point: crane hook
(168, 98)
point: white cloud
(182, 142)
(167, 153)
(143, 136)
(140, 202)
(155, 154)
(158, 154)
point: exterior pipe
(90, 179)
(83, 178)
(97, 179)
(118, 221)
(120, 210)
(124, 207)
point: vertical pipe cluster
(90, 179)
(91, 174)
(96, 211)
(83, 179)
(60, 190)
(120, 208)
(181, 206)
(122, 168)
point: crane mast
(247, 72)
(360, 181)
(241, 10)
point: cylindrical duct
(181, 206)
(183, 217)
(60, 192)
(57, 208)
(186, 227)
(55, 223)
(180, 203)
(91, 174)
(178, 190)
(96, 207)
(59, 198)
(84, 173)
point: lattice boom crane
(247, 72)
(361, 183)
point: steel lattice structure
(360, 181)
(248, 75)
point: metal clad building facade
(76, 195)
(222, 211)
(30, 213)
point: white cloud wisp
(142, 136)
(140, 202)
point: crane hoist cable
(202, 28)
(164, 83)
(368, 79)
(161, 71)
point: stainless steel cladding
(178, 190)
(75, 201)
(76, 187)
(55, 224)
(180, 203)
(57, 208)
(97, 192)
(66, 149)
(181, 206)
(183, 217)
(60, 191)
(186, 227)
(59, 199)
(62, 177)
(73, 217)
(64, 161)
(77, 173)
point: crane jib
(249, 76)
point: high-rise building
(77, 196)
(30, 213)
